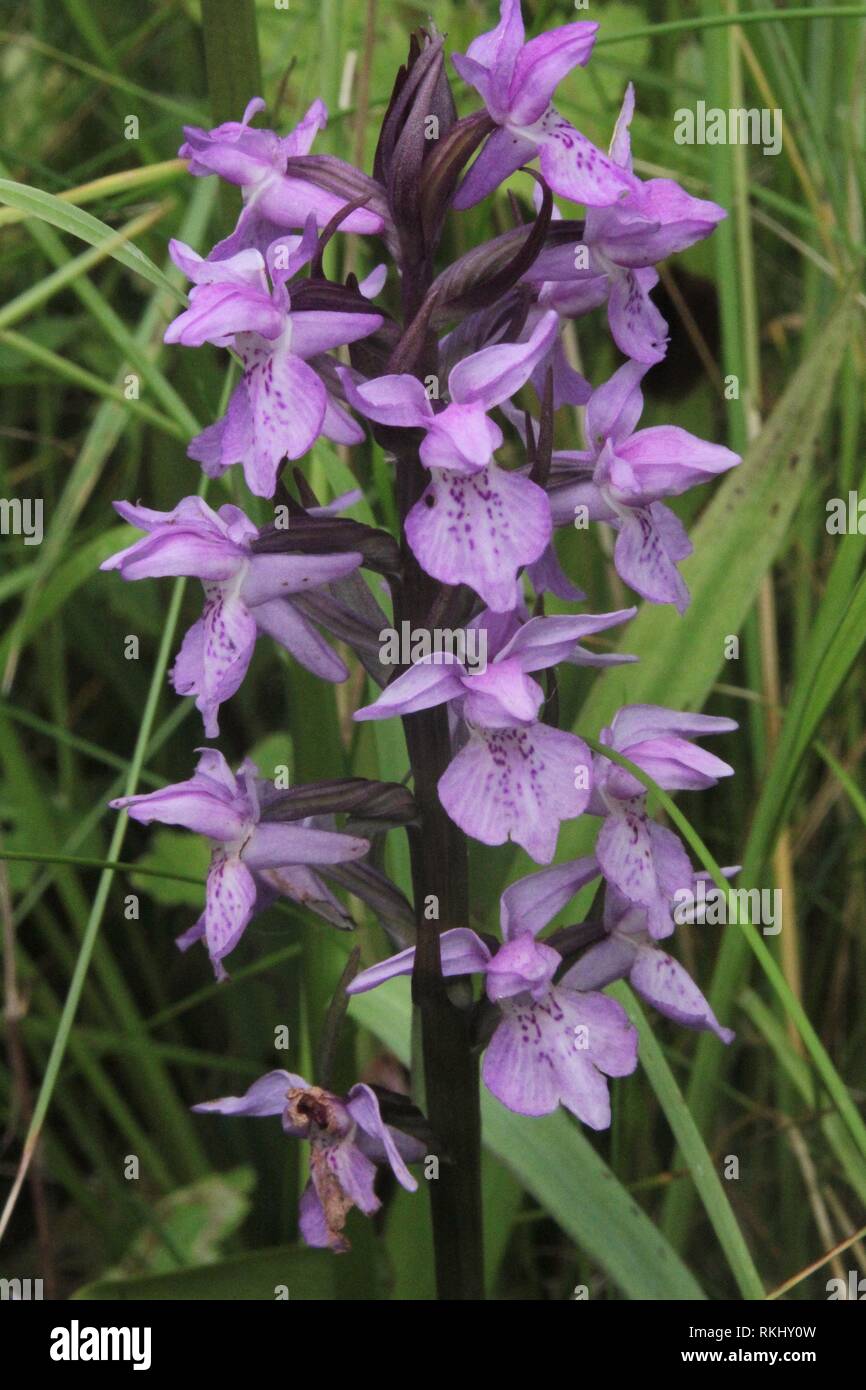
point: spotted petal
(572, 165)
(288, 407)
(651, 542)
(231, 898)
(558, 1050)
(637, 326)
(215, 654)
(479, 530)
(646, 862)
(517, 784)
(665, 984)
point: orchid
(514, 778)
(623, 242)
(257, 161)
(348, 1139)
(516, 81)
(553, 1044)
(250, 856)
(460, 558)
(246, 593)
(281, 405)
(475, 523)
(620, 478)
(628, 952)
(645, 861)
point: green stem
(716, 21)
(234, 75)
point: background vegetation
(109, 1033)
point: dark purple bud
(392, 908)
(502, 322)
(344, 180)
(329, 297)
(384, 803)
(540, 451)
(345, 621)
(307, 534)
(483, 275)
(420, 113)
(443, 169)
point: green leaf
(188, 1226)
(85, 226)
(272, 753)
(173, 852)
(556, 1163)
(306, 1274)
(694, 1150)
(81, 567)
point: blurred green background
(94, 408)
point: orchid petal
(542, 64)
(462, 952)
(530, 903)
(273, 843)
(286, 625)
(664, 983)
(427, 683)
(479, 529)
(517, 784)
(501, 155)
(637, 326)
(364, 1109)
(267, 1096)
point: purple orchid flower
(514, 777)
(245, 594)
(281, 405)
(645, 861)
(348, 1138)
(246, 849)
(516, 81)
(620, 478)
(628, 953)
(475, 523)
(553, 1044)
(256, 160)
(624, 241)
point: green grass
(115, 1025)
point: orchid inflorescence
(475, 550)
